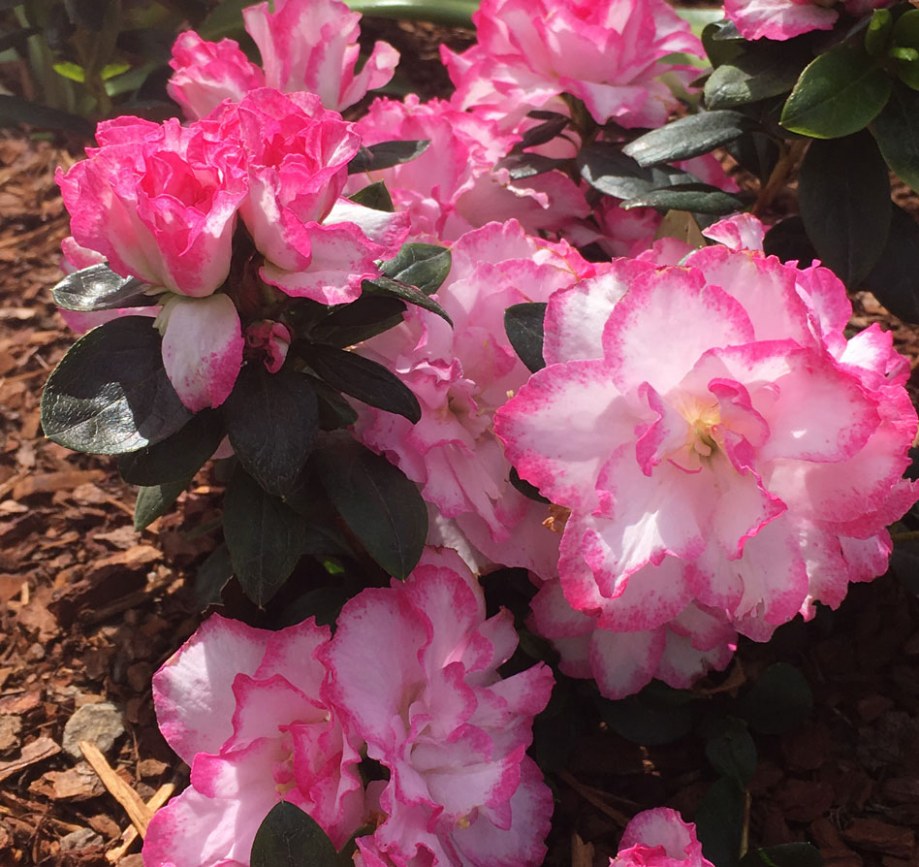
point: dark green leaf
(846, 213)
(425, 266)
(110, 394)
(788, 240)
(360, 320)
(154, 501)
(758, 73)
(719, 822)
(893, 278)
(542, 133)
(15, 111)
(896, 130)
(364, 379)
(837, 94)
(375, 196)
(264, 536)
(527, 165)
(177, 457)
(288, 837)
(906, 30)
(406, 292)
(732, 751)
(524, 326)
(877, 36)
(378, 503)
(272, 420)
(781, 700)
(385, 155)
(722, 42)
(689, 137)
(657, 715)
(17, 39)
(98, 287)
(696, 198)
(783, 855)
(334, 411)
(608, 170)
(224, 20)
(212, 576)
(529, 491)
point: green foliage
(288, 837)
(779, 701)
(688, 137)
(110, 394)
(524, 326)
(155, 501)
(99, 288)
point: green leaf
(113, 70)
(375, 196)
(719, 822)
(896, 130)
(531, 492)
(110, 395)
(98, 287)
(783, 855)
(722, 42)
(689, 137)
(288, 837)
(385, 155)
(364, 379)
(732, 752)
(15, 111)
(272, 420)
(846, 213)
(906, 30)
(177, 457)
(334, 411)
(655, 716)
(406, 292)
(527, 165)
(696, 198)
(154, 501)
(788, 240)
(542, 133)
(360, 320)
(759, 73)
(877, 36)
(71, 71)
(425, 266)
(523, 324)
(608, 170)
(837, 94)
(893, 278)
(212, 576)
(264, 537)
(781, 700)
(378, 503)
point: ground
(89, 609)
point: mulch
(89, 608)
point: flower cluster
(659, 838)
(161, 203)
(289, 715)
(726, 483)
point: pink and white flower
(659, 838)
(784, 19)
(316, 243)
(435, 712)
(460, 376)
(609, 54)
(747, 464)
(305, 45)
(454, 186)
(244, 708)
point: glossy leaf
(288, 837)
(523, 324)
(406, 292)
(759, 73)
(360, 320)
(719, 822)
(364, 379)
(264, 537)
(381, 507)
(177, 457)
(689, 137)
(155, 501)
(424, 266)
(732, 752)
(610, 171)
(98, 287)
(655, 716)
(15, 110)
(385, 155)
(837, 94)
(375, 196)
(846, 210)
(697, 198)
(896, 130)
(272, 420)
(527, 165)
(110, 394)
(877, 36)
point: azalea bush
(530, 404)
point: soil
(89, 608)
